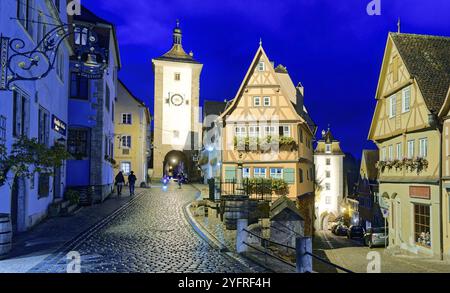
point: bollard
(241, 236)
(304, 261)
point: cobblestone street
(151, 235)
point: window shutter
(289, 175)
(230, 173)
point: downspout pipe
(438, 124)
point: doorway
(18, 205)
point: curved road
(151, 235)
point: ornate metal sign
(4, 44)
(18, 62)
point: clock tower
(176, 111)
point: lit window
(266, 101)
(125, 167)
(259, 173)
(423, 148)
(406, 99)
(256, 101)
(81, 36)
(276, 173)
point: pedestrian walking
(132, 182)
(120, 182)
(180, 180)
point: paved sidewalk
(32, 247)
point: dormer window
(328, 148)
(261, 66)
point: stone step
(69, 210)
(65, 204)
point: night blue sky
(332, 46)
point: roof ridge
(421, 36)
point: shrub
(73, 197)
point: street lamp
(20, 64)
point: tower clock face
(177, 100)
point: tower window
(177, 76)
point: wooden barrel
(5, 235)
(235, 209)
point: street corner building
(329, 176)
(91, 113)
(177, 127)
(266, 128)
(407, 128)
(35, 108)
(132, 128)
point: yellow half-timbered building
(414, 80)
(267, 128)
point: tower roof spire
(399, 24)
(177, 53)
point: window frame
(257, 101)
(126, 141)
(274, 174)
(421, 221)
(283, 132)
(79, 81)
(122, 163)
(258, 174)
(126, 119)
(392, 106)
(406, 106)
(267, 101)
(411, 152)
(399, 148)
(423, 147)
(261, 66)
(79, 142)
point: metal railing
(255, 191)
(266, 241)
(265, 245)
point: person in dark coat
(132, 182)
(120, 182)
